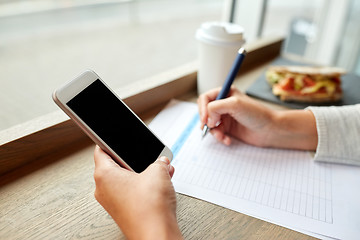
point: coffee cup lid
(220, 33)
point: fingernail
(164, 159)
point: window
(46, 43)
(349, 46)
(324, 31)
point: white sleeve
(338, 131)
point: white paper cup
(219, 43)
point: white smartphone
(109, 122)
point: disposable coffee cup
(218, 44)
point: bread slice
(306, 70)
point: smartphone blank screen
(112, 121)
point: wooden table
(47, 186)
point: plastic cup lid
(220, 33)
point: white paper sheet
(285, 187)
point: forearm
(293, 129)
(157, 228)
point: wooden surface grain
(54, 199)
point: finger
(223, 106)
(170, 168)
(164, 160)
(228, 106)
(220, 136)
(234, 91)
(161, 164)
(102, 159)
(171, 171)
(203, 101)
(106, 171)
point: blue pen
(229, 80)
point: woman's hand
(143, 205)
(241, 117)
(237, 115)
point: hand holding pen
(229, 80)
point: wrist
(295, 129)
(155, 227)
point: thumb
(163, 163)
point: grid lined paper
(279, 179)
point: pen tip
(205, 130)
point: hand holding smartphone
(109, 122)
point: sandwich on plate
(306, 84)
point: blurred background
(44, 43)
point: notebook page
(285, 187)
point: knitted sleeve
(338, 131)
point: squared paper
(285, 187)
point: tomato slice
(308, 82)
(288, 84)
(322, 90)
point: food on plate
(305, 84)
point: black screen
(112, 121)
